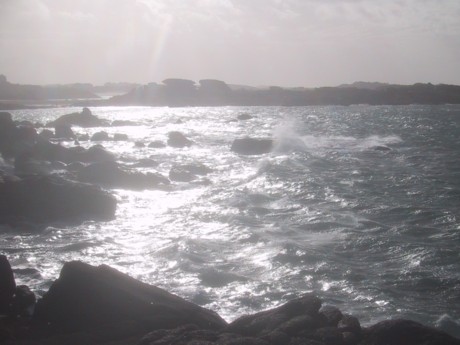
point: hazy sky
(254, 42)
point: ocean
(358, 204)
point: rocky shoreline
(100, 305)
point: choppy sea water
(358, 204)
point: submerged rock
(252, 146)
(110, 174)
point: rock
(7, 285)
(329, 336)
(192, 335)
(83, 119)
(245, 116)
(120, 137)
(252, 146)
(110, 174)
(87, 297)
(157, 144)
(23, 301)
(266, 321)
(332, 314)
(45, 199)
(7, 130)
(46, 134)
(177, 139)
(120, 123)
(64, 131)
(100, 136)
(96, 153)
(139, 144)
(349, 323)
(405, 332)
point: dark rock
(86, 297)
(45, 199)
(177, 139)
(296, 325)
(96, 153)
(157, 144)
(139, 144)
(252, 146)
(329, 336)
(83, 137)
(120, 137)
(349, 323)
(110, 174)
(146, 163)
(245, 116)
(333, 315)
(266, 321)
(100, 136)
(7, 130)
(83, 119)
(23, 301)
(7, 285)
(46, 134)
(405, 332)
(64, 131)
(120, 123)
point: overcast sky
(254, 42)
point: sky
(289, 43)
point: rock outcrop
(86, 298)
(252, 146)
(111, 174)
(45, 199)
(83, 119)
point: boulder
(45, 199)
(64, 131)
(119, 123)
(157, 144)
(7, 285)
(100, 136)
(177, 139)
(23, 301)
(265, 322)
(405, 332)
(83, 119)
(245, 116)
(85, 297)
(188, 172)
(110, 174)
(252, 146)
(120, 137)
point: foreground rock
(252, 146)
(45, 199)
(87, 298)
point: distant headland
(175, 92)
